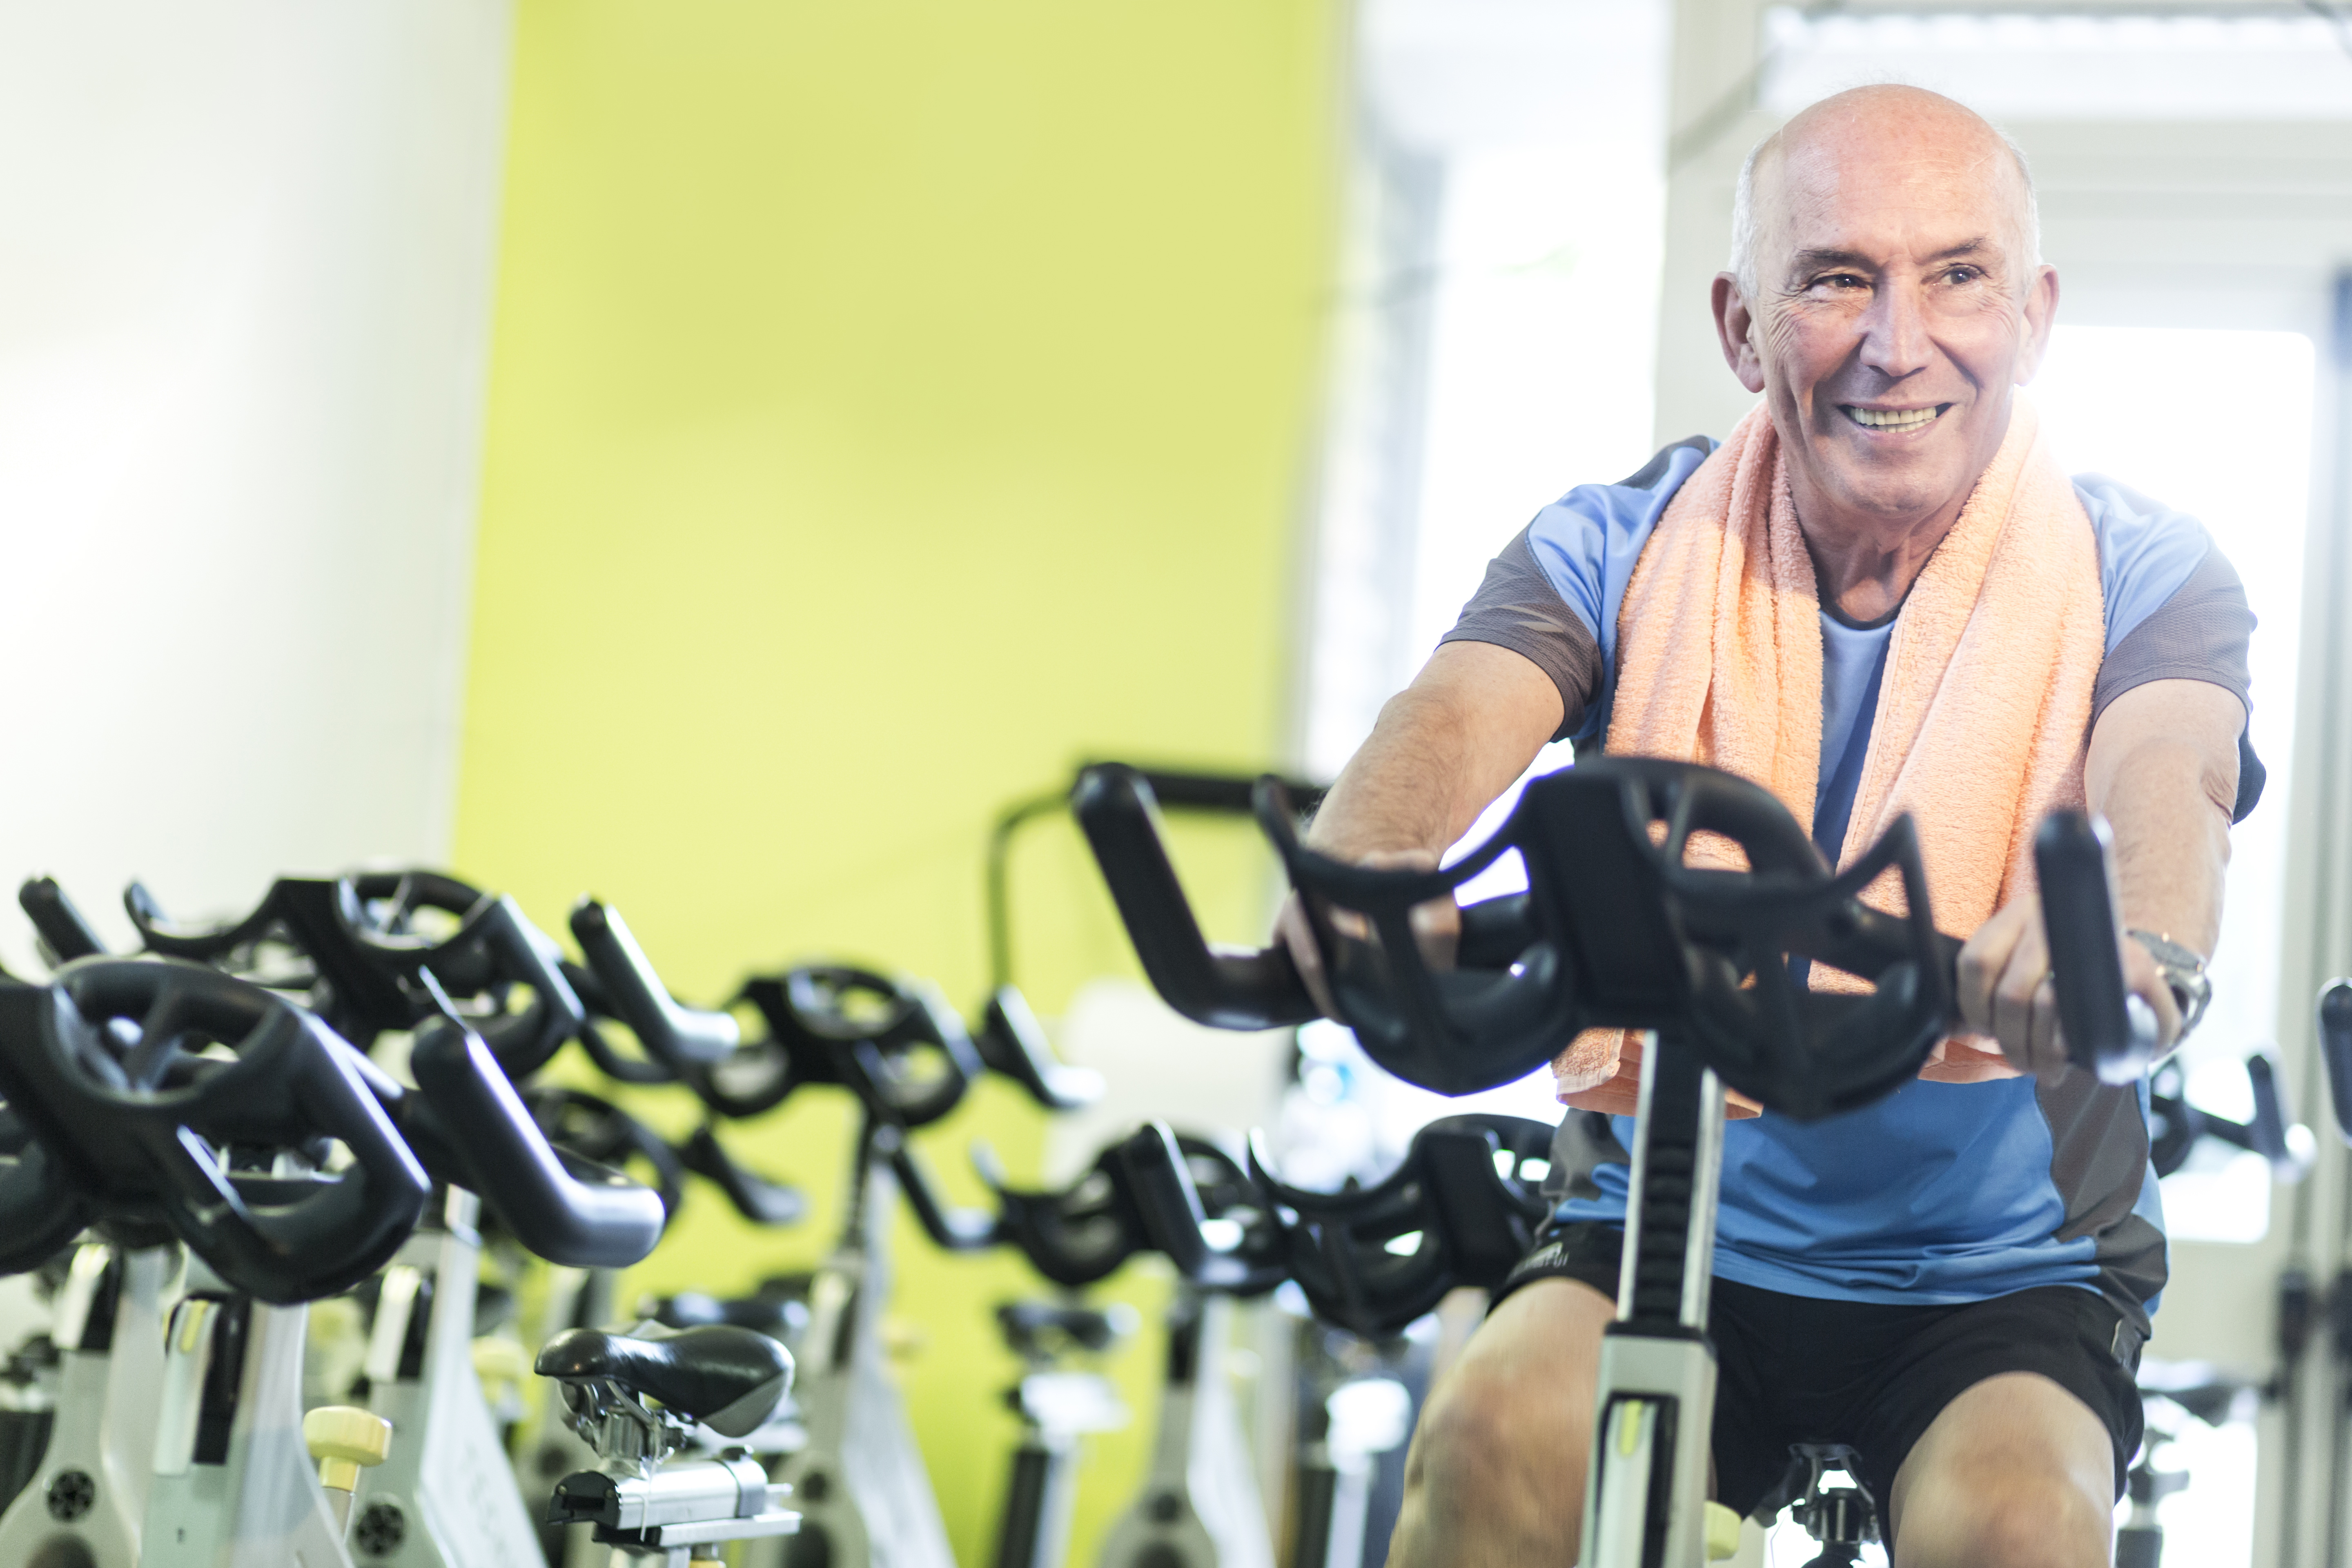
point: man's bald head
(1894, 118)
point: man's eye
(1963, 275)
(1842, 280)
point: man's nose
(1895, 332)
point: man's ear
(2040, 315)
(1734, 328)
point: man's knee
(1992, 1516)
(2015, 1473)
(1518, 1407)
(1484, 1423)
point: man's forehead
(1930, 183)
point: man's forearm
(1441, 751)
(2164, 773)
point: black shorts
(1796, 1369)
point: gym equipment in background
(117, 1069)
(1058, 1406)
(1182, 1196)
(1460, 1210)
(90, 1485)
(1618, 929)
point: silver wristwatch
(2184, 976)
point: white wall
(243, 317)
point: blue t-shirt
(1939, 1193)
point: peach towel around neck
(1983, 711)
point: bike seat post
(1657, 1392)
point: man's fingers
(2046, 1050)
(1986, 958)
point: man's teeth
(1893, 419)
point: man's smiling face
(1895, 303)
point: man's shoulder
(2147, 551)
(1591, 519)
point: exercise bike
(1618, 929)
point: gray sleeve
(2200, 633)
(1517, 607)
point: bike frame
(1645, 1502)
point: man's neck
(1864, 572)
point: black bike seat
(728, 1378)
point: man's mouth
(1895, 418)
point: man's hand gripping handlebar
(1624, 926)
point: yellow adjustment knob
(1722, 1532)
(342, 1438)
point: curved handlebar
(148, 1127)
(566, 1210)
(1153, 1191)
(62, 927)
(1222, 988)
(1460, 1209)
(1011, 1042)
(682, 1038)
(840, 1025)
(372, 969)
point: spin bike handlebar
(683, 1039)
(108, 1066)
(470, 1128)
(380, 976)
(1155, 1190)
(57, 921)
(1618, 930)
(1460, 1209)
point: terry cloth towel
(1983, 709)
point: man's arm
(1442, 749)
(2163, 770)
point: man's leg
(2015, 1473)
(1495, 1474)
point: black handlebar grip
(569, 1210)
(1011, 1043)
(681, 1036)
(2335, 1051)
(951, 1229)
(1225, 990)
(2266, 1132)
(58, 923)
(2107, 1029)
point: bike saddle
(730, 1379)
(471, 1128)
(380, 965)
(167, 1091)
(1460, 1209)
(894, 1043)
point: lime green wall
(890, 404)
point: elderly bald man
(1956, 1281)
